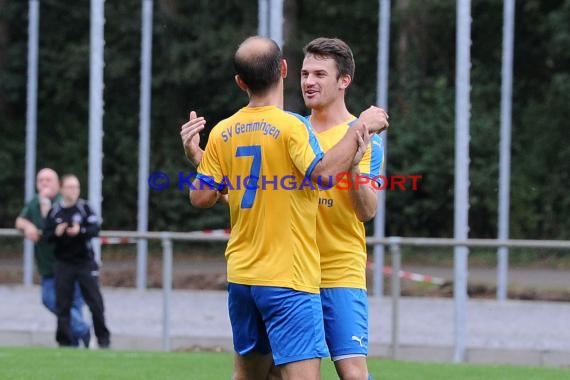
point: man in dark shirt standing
(31, 222)
(71, 224)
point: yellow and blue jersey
(340, 235)
(258, 153)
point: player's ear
(241, 84)
(283, 68)
(345, 81)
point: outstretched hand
(190, 135)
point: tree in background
(193, 43)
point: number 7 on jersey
(251, 182)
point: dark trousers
(86, 275)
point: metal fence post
(144, 140)
(396, 265)
(460, 301)
(31, 125)
(166, 289)
(28, 263)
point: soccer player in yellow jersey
(327, 71)
(272, 255)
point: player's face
(70, 190)
(47, 183)
(319, 82)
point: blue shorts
(345, 312)
(283, 321)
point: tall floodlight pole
(461, 219)
(505, 145)
(97, 42)
(263, 17)
(144, 140)
(382, 101)
(270, 20)
(276, 21)
(31, 124)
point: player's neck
(325, 118)
(273, 97)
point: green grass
(62, 364)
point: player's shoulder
(297, 120)
(220, 130)
(296, 116)
(222, 124)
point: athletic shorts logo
(357, 339)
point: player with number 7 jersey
(272, 255)
(273, 228)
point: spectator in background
(31, 222)
(71, 224)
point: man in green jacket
(31, 222)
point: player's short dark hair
(261, 70)
(336, 49)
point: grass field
(62, 364)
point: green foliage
(193, 43)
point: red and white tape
(417, 277)
(411, 276)
(220, 232)
(112, 240)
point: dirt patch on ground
(211, 274)
(481, 291)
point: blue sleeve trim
(376, 157)
(311, 167)
(209, 180)
(313, 142)
(351, 123)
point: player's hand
(190, 135)
(32, 233)
(375, 118)
(60, 229)
(73, 230)
(363, 140)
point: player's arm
(204, 195)
(206, 198)
(362, 196)
(341, 157)
(365, 178)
